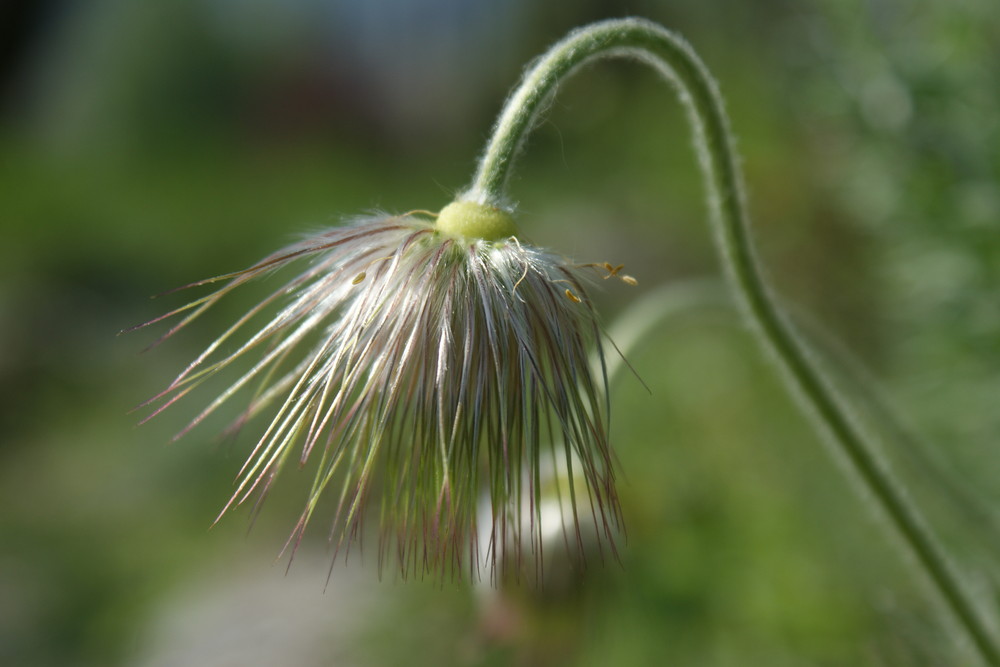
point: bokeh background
(144, 145)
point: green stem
(672, 56)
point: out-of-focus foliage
(146, 145)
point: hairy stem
(675, 59)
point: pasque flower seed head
(420, 362)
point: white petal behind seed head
(423, 368)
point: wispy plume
(425, 368)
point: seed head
(426, 367)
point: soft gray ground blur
(240, 617)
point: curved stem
(672, 56)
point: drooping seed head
(422, 365)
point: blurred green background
(147, 145)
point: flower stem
(675, 59)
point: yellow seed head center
(470, 220)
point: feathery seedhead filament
(420, 362)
